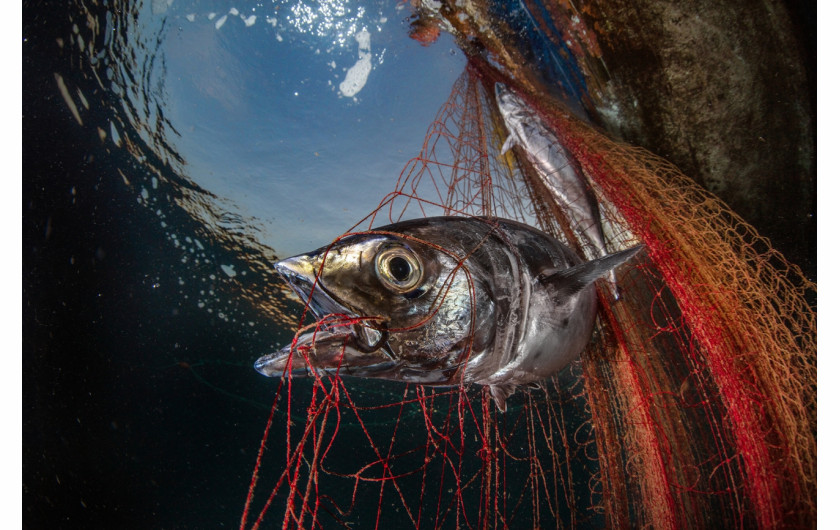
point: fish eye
(399, 269)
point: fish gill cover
(693, 406)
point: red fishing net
(693, 406)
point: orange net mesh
(693, 406)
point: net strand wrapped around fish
(444, 301)
(694, 404)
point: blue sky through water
(271, 121)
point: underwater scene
(470, 264)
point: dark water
(151, 226)
(116, 432)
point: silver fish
(443, 301)
(557, 170)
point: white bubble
(229, 270)
(357, 75)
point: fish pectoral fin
(500, 394)
(510, 141)
(570, 281)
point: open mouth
(340, 342)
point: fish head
(389, 305)
(512, 107)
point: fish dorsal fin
(570, 281)
(509, 143)
(500, 394)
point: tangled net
(693, 406)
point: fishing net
(693, 406)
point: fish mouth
(341, 343)
(501, 91)
(505, 98)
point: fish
(557, 170)
(443, 301)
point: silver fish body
(557, 170)
(443, 301)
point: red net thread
(694, 405)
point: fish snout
(273, 364)
(501, 91)
(299, 270)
